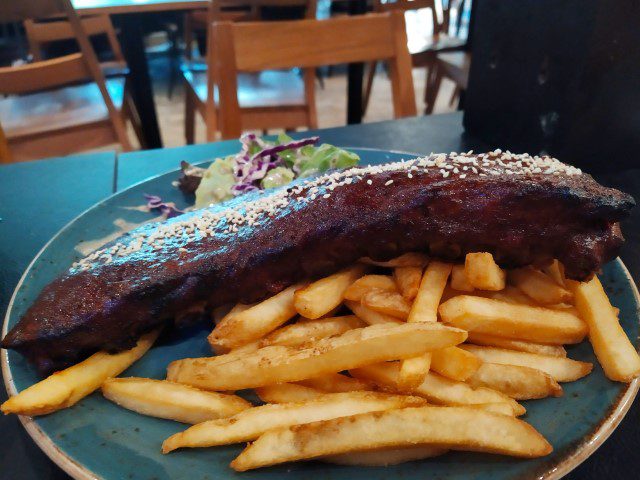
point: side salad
(261, 164)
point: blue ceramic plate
(97, 439)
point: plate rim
(587, 446)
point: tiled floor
(331, 103)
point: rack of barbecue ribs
(522, 209)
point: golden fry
(483, 272)
(455, 363)
(561, 369)
(489, 340)
(367, 283)
(503, 319)
(406, 260)
(277, 364)
(462, 428)
(322, 296)
(459, 280)
(369, 316)
(434, 388)
(66, 387)
(173, 401)
(385, 457)
(250, 424)
(255, 322)
(616, 354)
(335, 383)
(408, 281)
(520, 383)
(287, 393)
(542, 288)
(425, 309)
(387, 303)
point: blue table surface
(38, 198)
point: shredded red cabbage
(250, 169)
(154, 202)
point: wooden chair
(43, 33)
(254, 47)
(43, 116)
(423, 48)
(270, 99)
(454, 66)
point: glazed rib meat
(524, 210)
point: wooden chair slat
(250, 47)
(43, 75)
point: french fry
(407, 260)
(413, 371)
(287, 393)
(408, 281)
(489, 340)
(455, 363)
(305, 331)
(542, 288)
(556, 271)
(387, 303)
(224, 314)
(424, 309)
(335, 383)
(277, 364)
(369, 316)
(67, 387)
(616, 354)
(510, 294)
(434, 280)
(502, 408)
(561, 369)
(483, 272)
(523, 322)
(173, 401)
(250, 424)
(518, 382)
(459, 279)
(461, 428)
(435, 388)
(253, 323)
(385, 457)
(369, 282)
(325, 294)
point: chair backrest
(41, 33)
(43, 75)
(253, 47)
(56, 72)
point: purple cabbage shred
(154, 202)
(250, 169)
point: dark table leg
(355, 74)
(141, 88)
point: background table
(38, 198)
(132, 41)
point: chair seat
(434, 43)
(268, 89)
(54, 110)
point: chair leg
(189, 116)
(454, 95)
(432, 89)
(130, 113)
(368, 86)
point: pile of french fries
(378, 364)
